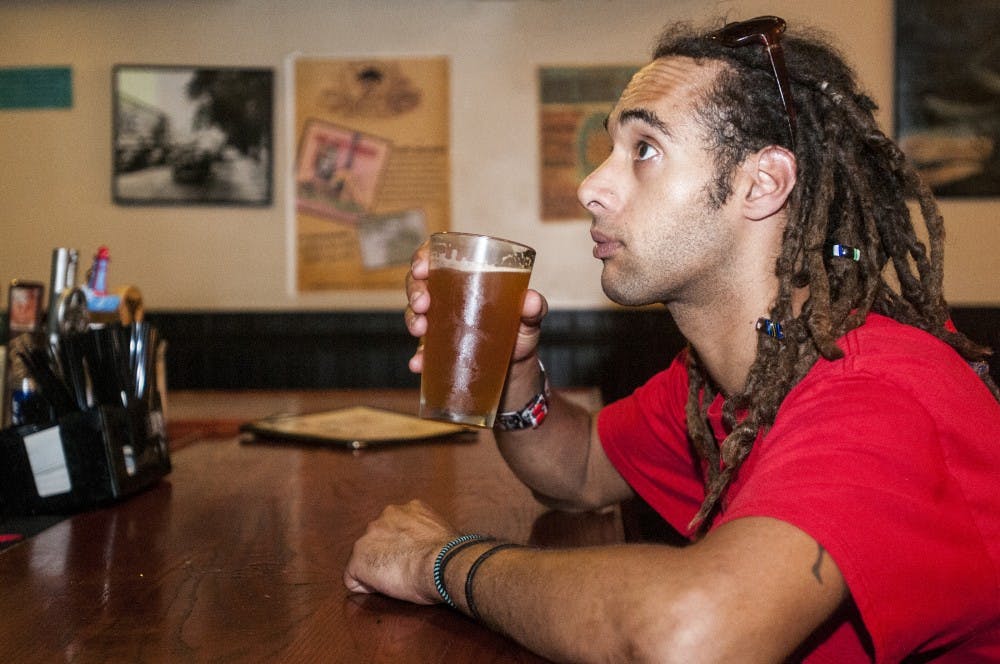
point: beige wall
(56, 164)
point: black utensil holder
(89, 459)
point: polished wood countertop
(238, 554)
(209, 413)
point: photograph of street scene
(192, 135)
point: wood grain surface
(238, 555)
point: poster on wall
(948, 93)
(371, 168)
(575, 102)
(191, 135)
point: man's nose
(596, 191)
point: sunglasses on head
(765, 30)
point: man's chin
(612, 289)
(623, 292)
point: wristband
(454, 552)
(533, 413)
(469, 601)
(438, 569)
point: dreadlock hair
(852, 188)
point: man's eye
(644, 151)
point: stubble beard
(623, 285)
(683, 267)
(668, 269)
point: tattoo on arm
(820, 553)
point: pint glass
(477, 286)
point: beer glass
(477, 286)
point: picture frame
(947, 93)
(25, 307)
(192, 135)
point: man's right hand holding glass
(534, 310)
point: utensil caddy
(90, 458)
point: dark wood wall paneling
(616, 350)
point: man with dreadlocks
(829, 443)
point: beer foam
(462, 265)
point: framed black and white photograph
(948, 93)
(192, 135)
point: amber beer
(477, 286)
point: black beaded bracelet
(469, 601)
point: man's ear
(769, 177)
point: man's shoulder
(882, 332)
(886, 347)
(888, 365)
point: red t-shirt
(888, 457)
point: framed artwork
(948, 93)
(192, 135)
(573, 141)
(25, 307)
(371, 174)
(338, 170)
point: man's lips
(604, 246)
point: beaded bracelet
(472, 573)
(438, 570)
(451, 554)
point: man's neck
(725, 333)
(726, 342)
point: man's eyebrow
(645, 116)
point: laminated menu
(354, 427)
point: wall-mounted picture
(390, 239)
(192, 135)
(338, 170)
(25, 307)
(948, 93)
(573, 141)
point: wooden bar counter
(238, 554)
